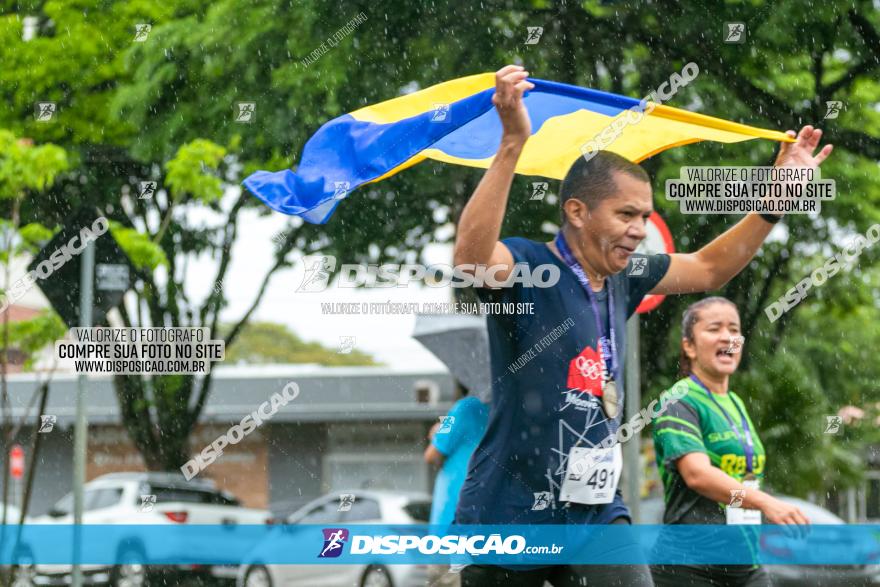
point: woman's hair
(688, 320)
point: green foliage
(189, 172)
(266, 342)
(144, 254)
(34, 235)
(25, 167)
(33, 335)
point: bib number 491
(600, 479)
(595, 480)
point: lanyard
(609, 351)
(748, 445)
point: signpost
(658, 240)
(81, 425)
(100, 275)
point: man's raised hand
(800, 153)
(510, 85)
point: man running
(542, 460)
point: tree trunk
(163, 445)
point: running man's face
(711, 349)
(615, 227)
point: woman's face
(716, 334)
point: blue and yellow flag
(456, 122)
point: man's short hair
(593, 181)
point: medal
(610, 399)
(607, 346)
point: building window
(427, 392)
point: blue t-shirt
(456, 439)
(546, 379)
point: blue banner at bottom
(536, 545)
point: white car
(369, 507)
(139, 499)
(13, 514)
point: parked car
(280, 511)
(651, 512)
(369, 507)
(117, 499)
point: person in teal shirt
(453, 441)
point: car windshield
(178, 494)
(64, 505)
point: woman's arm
(712, 483)
(433, 456)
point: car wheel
(376, 577)
(131, 570)
(257, 577)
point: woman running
(710, 457)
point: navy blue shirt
(544, 398)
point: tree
(25, 170)
(265, 342)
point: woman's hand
(779, 512)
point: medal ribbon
(608, 351)
(747, 444)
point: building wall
(241, 469)
(377, 455)
(295, 453)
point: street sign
(658, 240)
(111, 277)
(16, 461)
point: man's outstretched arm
(479, 227)
(722, 259)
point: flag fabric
(456, 122)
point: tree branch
(233, 334)
(771, 107)
(872, 42)
(215, 297)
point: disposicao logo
(334, 540)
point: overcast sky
(387, 338)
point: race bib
(592, 475)
(739, 516)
